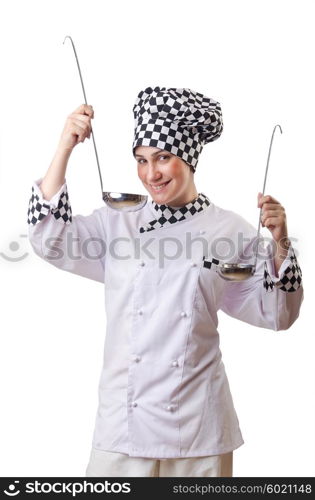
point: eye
(163, 156)
(141, 160)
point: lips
(159, 187)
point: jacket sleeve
(76, 244)
(265, 300)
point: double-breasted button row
(142, 263)
(137, 359)
(134, 404)
(174, 363)
(183, 313)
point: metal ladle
(119, 201)
(239, 271)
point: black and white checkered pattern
(268, 283)
(37, 209)
(166, 215)
(63, 210)
(180, 121)
(291, 279)
(210, 262)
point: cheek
(175, 170)
(140, 173)
(179, 172)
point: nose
(153, 173)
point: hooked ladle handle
(263, 192)
(98, 165)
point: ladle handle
(263, 192)
(98, 165)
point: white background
(256, 58)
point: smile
(160, 187)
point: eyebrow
(153, 154)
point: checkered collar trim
(167, 215)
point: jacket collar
(167, 215)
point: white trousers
(113, 464)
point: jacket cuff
(58, 205)
(290, 274)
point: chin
(162, 199)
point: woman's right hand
(77, 127)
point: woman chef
(165, 407)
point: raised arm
(273, 296)
(77, 128)
(75, 244)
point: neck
(183, 200)
(186, 203)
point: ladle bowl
(236, 272)
(124, 201)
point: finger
(80, 132)
(265, 199)
(80, 116)
(258, 198)
(85, 109)
(86, 127)
(273, 221)
(270, 199)
(80, 120)
(273, 213)
(272, 206)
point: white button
(183, 314)
(193, 264)
(175, 363)
(140, 311)
(202, 231)
(134, 404)
(170, 408)
(137, 359)
(141, 263)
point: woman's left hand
(273, 217)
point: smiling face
(157, 167)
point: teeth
(159, 187)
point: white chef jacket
(163, 390)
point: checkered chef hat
(180, 121)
